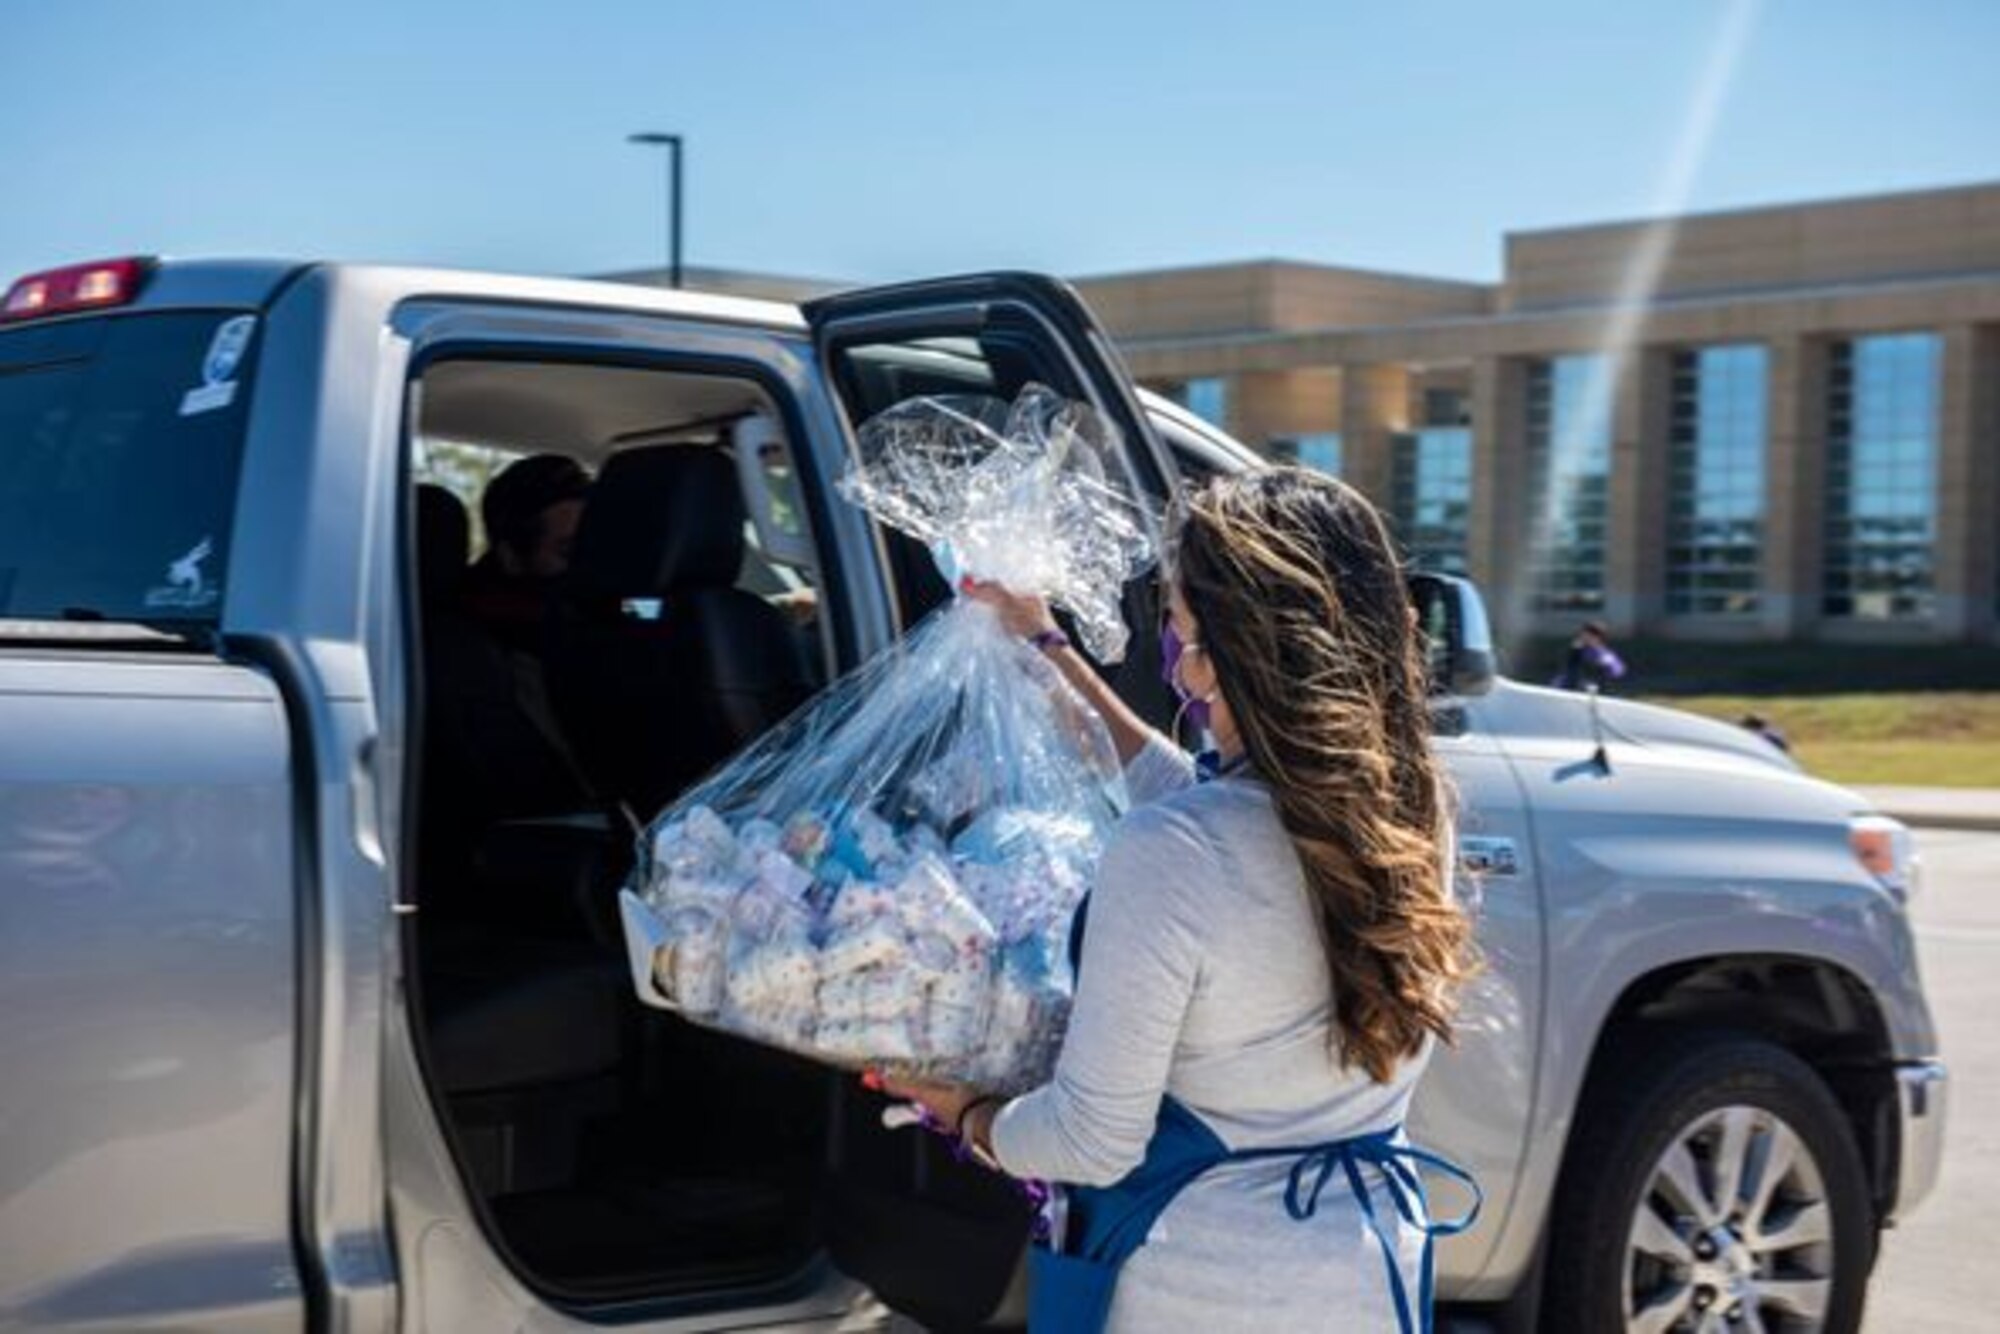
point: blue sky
(876, 141)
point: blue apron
(1070, 1290)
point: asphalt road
(1940, 1271)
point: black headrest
(444, 542)
(660, 518)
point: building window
(1447, 407)
(1569, 478)
(1430, 493)
(1319, 451)
(1208, 399)
(1881, 477)
(1715, 504)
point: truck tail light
(1887, 851)
(108, 282)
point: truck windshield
(120, 440)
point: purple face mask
(1171, 648)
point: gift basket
(888, 878)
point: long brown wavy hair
(1301, 606)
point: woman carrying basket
(1270, 952)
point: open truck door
(935, 1238)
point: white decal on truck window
(218, 368)
(186, 587)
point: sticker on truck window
(218, 368)
(187, 588)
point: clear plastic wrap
(888, 878)
(1021, 493)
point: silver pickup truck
(312, 1012)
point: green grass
(1932, 739)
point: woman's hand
(945, 1102)
(1023, 614)
(965, 1114)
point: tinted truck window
(120, 439)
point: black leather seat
(486, 756)
(652, 704)
(512, 998)
(616, 1148)
(444, 546)
(512, 1014)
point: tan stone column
(1265, 405)
(1636, 525)
(1374, 409)
(1968, 497)
(1794, 485)
(1497, 544)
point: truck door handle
(367, 803)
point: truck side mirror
(1451, 616)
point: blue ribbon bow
(1398, 1162)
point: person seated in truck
(531, 511)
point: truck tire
(1712, 1186)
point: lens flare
(1622, 321)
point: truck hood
(1651, 724)
(1514, 709)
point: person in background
(1763, 727)
(1591, 662)
(531, 511)
(1269, 955)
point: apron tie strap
(1398, 1163)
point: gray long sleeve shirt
(1203, 977)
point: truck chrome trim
(1921, 1104)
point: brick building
(1777, 423)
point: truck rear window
(120, 440)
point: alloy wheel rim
(1733, 1233)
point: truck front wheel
(1712, 1187)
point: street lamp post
(672, 143)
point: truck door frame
(426, 1174)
